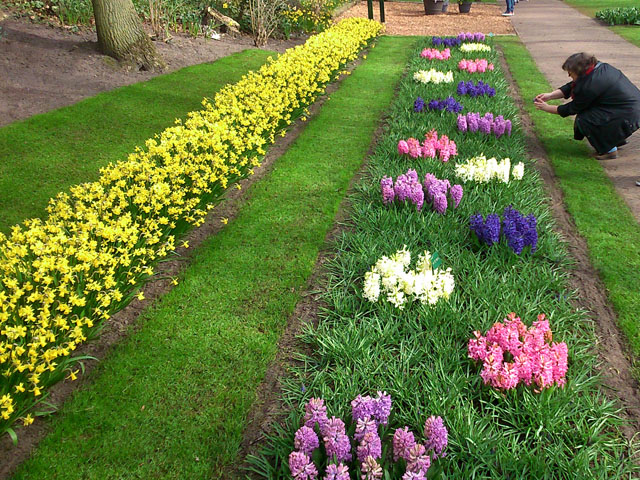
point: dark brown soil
(43, 68)
(613, 349)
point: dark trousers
(510, 5)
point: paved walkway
(551, 31)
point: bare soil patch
(43, 68)
(408, 18)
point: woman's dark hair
(578, 63)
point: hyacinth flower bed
(488, 124)
(324, 449)
(449, 104)
(518, 231)
(431, 147)
(420, 354)
(408, 188)
(62, 277)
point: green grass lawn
(48, 153)
(601, 216)
(419, 354)
(171, 401)
(590, 7)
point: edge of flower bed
(123, 324)
(615, 352)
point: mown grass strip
(630, 33)
(47, 153)
(419, 354)
(601, 216)
(203, 349)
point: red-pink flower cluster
(429, 148)
(435, 54)
(512, 353)
(478, 65)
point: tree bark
(121, 36)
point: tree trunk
(121, 36)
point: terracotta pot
(464, 7)
(432, 8)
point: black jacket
(607, 106)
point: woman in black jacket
(605, 102)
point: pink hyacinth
(414, 148)
(337, 472)
(479, 65)
(403, 147)
(536, 358)
(301, 467)
(435, 54)
(432, 146)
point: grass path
(601, 216)
(47, 153)
(203, 349)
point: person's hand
(543, 97)
(541, 104)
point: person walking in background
(605, 102)
(509, 11)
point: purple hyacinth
(473, 120)
(487, 231)
(382, 408)
(388, 193)
(519, 231)
(434, 105)
(508, 127)
(418, 105)
(364, 426)
(440, 203)
(337, 472)
(370, 446)
(456, 194)
(484, 126)
(301, 467)
(306, 440)
(338, 447)
(419, 461)
(446, 41)
(371, 470)
(462, 123)
(449, 104)
(436, 435)
(403, 441)
(316, 412)
(414, 476)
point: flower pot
(464, 7)
(432, 8)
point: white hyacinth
(475, 47)
(480, 169)
(433, 76)
(425, 284)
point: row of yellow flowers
(62, 277)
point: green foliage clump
(620, 16)
(189, 16)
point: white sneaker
(507, 14)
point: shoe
(606, 156)
(638, 183)
(507, 14)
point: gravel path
(551, 31)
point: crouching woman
(605, 102)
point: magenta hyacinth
(306, 440)
(316, 412)
(337, 472)
(301, 467)
(456, 194)
(370, 446)
(403, 442)
(440, 203)
(388, 193)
